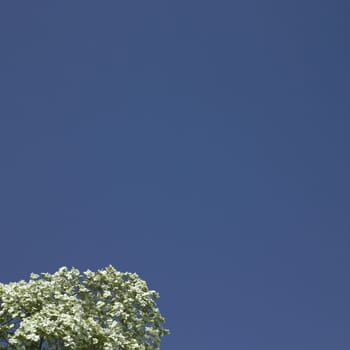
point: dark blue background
(201, 144)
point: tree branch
(41, 343)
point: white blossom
(102, 310)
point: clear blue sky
(202, 144)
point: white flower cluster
(103, 310)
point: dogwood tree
(102, 310)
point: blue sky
(204, 145)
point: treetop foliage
(102, 310)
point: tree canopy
(102, 310)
